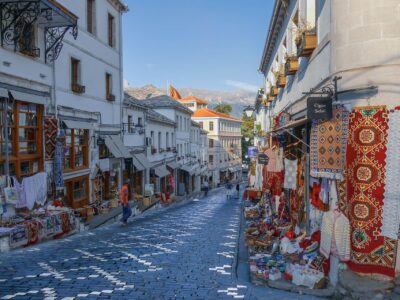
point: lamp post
(249, 110)
(247, 139)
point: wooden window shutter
(90, 10)
(74, 70)
(108, 84)
(110, 30)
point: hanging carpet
(50, 129)
(366, 151)
(328, 145)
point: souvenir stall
(328, 199)
(26, 217)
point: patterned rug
(275, 182)
(366, 151)
(50, 129)
(328, 145)
(391, 206)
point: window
(24, 139)
(167, 139)
(201, 124)
(172, 140)
(77, 192)
(90, 16)
(76, 87)
(76, 152)
(159, 141)
(211, 159)
(130, 129)
(211, 143)
(109, 95)
(211, 126)
(139, 122)
(152, 138)
(27, 39)
(110, 30)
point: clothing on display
(290, 180)
(391, 205)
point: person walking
(124, 198)
(237, 190)
(205, 186)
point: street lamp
(249, 110)
(247, 139)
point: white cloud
(242, 85)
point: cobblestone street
(183, 252)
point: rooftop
(210, 113)
(165, 101)
(193, 98)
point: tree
(224, 108)
(247, 132)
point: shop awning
(116, 147)
(173, 165)
(77, 124)
(143, 160)
(292, 124)
(161, 171)
(190, 169)
(137, 164)
(23, 94)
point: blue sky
(212, 44)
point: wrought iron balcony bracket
(54, 40)
(15, 15)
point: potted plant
(291, 65)
(305, 39)
(281, 81)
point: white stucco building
(66, 67)
(224, 144)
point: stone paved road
(183, 252)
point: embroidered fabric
(290, 181)
(391, 205)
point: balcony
(19, 16)
(291, 65)
(77, 88)
(306, 42)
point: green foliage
(247, 131)
(224, 108)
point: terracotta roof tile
(206, 112)
(193, 98)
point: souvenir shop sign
(263, 159)
(319, 108)
(252, 152)
(101, 141)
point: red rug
(366, 152)
(275, 182)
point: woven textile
(328, 145)
(275, 182)
(366, 150)
(50, 129)
(391, 206)
(59, 165)
(19, 236)
(290, 174)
